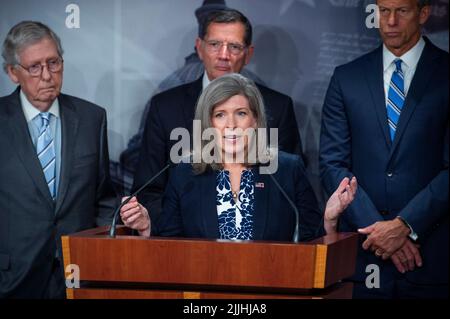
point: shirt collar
(410, 58)
(205, 81)
(31, 112)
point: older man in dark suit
(225, 46)
(54, 176)
(385, 121)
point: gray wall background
(124, 49)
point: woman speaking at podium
(234, 186)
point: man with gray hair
(54, 163)
(385, 121)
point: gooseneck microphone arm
(296, 236)
(112, 230)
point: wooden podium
(140, 268)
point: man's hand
(384, 238)
(407, 257)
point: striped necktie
(396, 97)
(45, 148)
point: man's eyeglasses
(214, 46)
(53, 65)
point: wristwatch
(412, 235)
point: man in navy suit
(225, 47)
(385, 121)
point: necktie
(396, 97)
(46, 152)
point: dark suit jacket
(176, 108)
(189, 204)
(31, 223)
(406, 177)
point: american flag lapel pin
(259, 185)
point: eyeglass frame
(41, 67)
(241, 47)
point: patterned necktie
(396, 97)
(46, 152)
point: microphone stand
(112, 230)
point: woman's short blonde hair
(216, 93)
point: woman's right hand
(135, 216)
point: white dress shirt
(205, 81)
(34, 123)
(410, 60)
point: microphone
(112, 230)
(296, 236)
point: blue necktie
(396, 97)
(45, 148)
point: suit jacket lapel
(192, 94)
(21, 140)
(374, 76)
(69, 127)
(421, 79)
(261, 211)
(208, 205)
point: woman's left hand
(340, 200)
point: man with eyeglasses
(54, 177)
(122, 172)
(225, 46)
